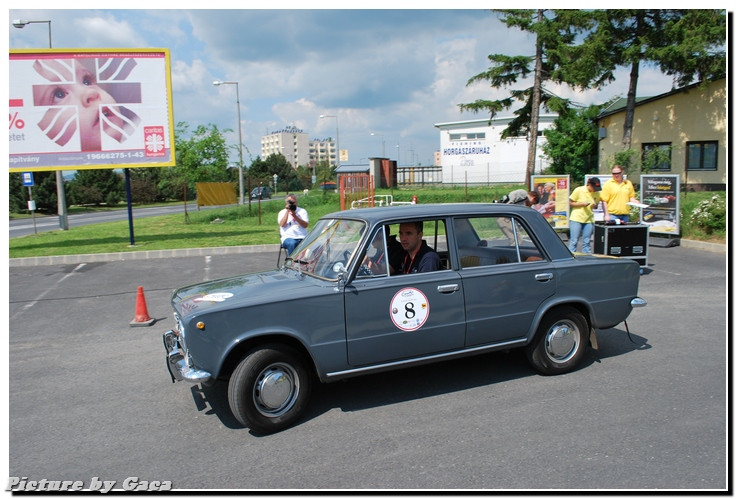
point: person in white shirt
(293, 222)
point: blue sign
(28, 179)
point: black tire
(269, 389)
(560, 343)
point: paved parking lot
(90, 396)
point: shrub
(710, 214)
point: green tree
(696, 48)
(688, 44)
(44, 192)
(201, 156)
(96, 187)
(554, 31)
(572, 142)
(263, 170)
(325, 172)
(17, 194)
(144, 185)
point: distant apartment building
(292, 142)
(323, 150)
(298, 148)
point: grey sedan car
(339, 307)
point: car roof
(554, 245)
(388, 213)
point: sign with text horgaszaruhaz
(73, 109)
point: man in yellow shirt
(615, 194)
(583, 201)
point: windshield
(328, 248)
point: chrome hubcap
(562, 341)
(276, 390)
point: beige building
(322, 150)
(688, 125)
(292, 142)
(297, 147)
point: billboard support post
(128, 197)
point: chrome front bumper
(177, 361)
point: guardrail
(378, 200)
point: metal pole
(240, 147)
(337, 134)
(217, 83)
(33, 212)
(60, 192)
(130, 206)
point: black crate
(627, 241)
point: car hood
(243, 290)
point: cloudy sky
(395, 72)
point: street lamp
(60, 193)
(383, 144)
(337, 135)
(217, 83)
(20, 24)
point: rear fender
(579, 305)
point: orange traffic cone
(141, 311)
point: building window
(702, 155)
(468, 136)
(656, 157)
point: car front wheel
(560, 343)
(268, 391)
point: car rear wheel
(560, 343)
(268, 391)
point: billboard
(662, 194)
(75, 109)
(554, 194)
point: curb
(705, 246)
(228, 250)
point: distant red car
(328, 186)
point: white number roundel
(409, 309)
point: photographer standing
(293, 223)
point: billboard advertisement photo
(73, 109)
(662, 195)
(554, 194)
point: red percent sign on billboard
(75, 109)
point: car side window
(494, 240)
(424, 236)
(376, 258)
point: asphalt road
(90, 397)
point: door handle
(544, 277)
(448, 288)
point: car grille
(180, 329)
